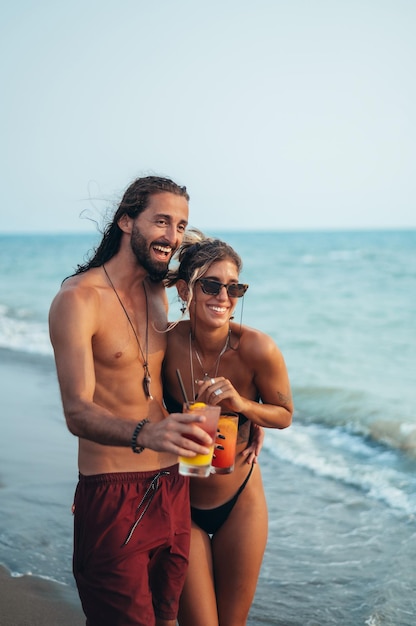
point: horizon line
(229, 230)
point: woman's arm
(262, 357)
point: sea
(340, 482)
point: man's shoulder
(82, 287)
(90, 279)
(153, 286)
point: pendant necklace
(146, 378)
(217, 362)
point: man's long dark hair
(133, 202)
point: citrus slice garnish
(197, 405)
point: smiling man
(131, 507)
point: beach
(332, 550)
(31, 601)
(30, 404)
(342, 503)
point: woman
(226, 363)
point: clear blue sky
(276, 114)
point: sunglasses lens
(234, 291)
(213, 288)
(237, 291)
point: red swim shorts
(131, 546)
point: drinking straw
(185, 397)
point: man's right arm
(73, 321)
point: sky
(275, 114)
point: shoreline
(325, 534)
(31, 600)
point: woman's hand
(254, 444)
(220, 391)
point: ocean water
(340, 482)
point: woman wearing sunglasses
(223, 362)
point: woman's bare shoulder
(180, 329)
(178, 334)
(247, 334)
(254, 342)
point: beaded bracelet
(138, 449)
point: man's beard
(156, 270)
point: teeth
(164, 249)
(218, 309)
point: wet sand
(31, 601)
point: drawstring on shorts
(149, 495)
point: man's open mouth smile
(162, 251)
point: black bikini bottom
(211, 520)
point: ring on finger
(212, 381)
(218, 392)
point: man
(107, 323)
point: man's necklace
(206, 374)
(146, 378)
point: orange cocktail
(225, 444)
(200, 464)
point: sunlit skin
(98, 360)
(99, 366)
(252, 367)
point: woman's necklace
(146, 379)
(206, 374)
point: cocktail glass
(225, 444)
(200, 464)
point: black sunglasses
(213, 288)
